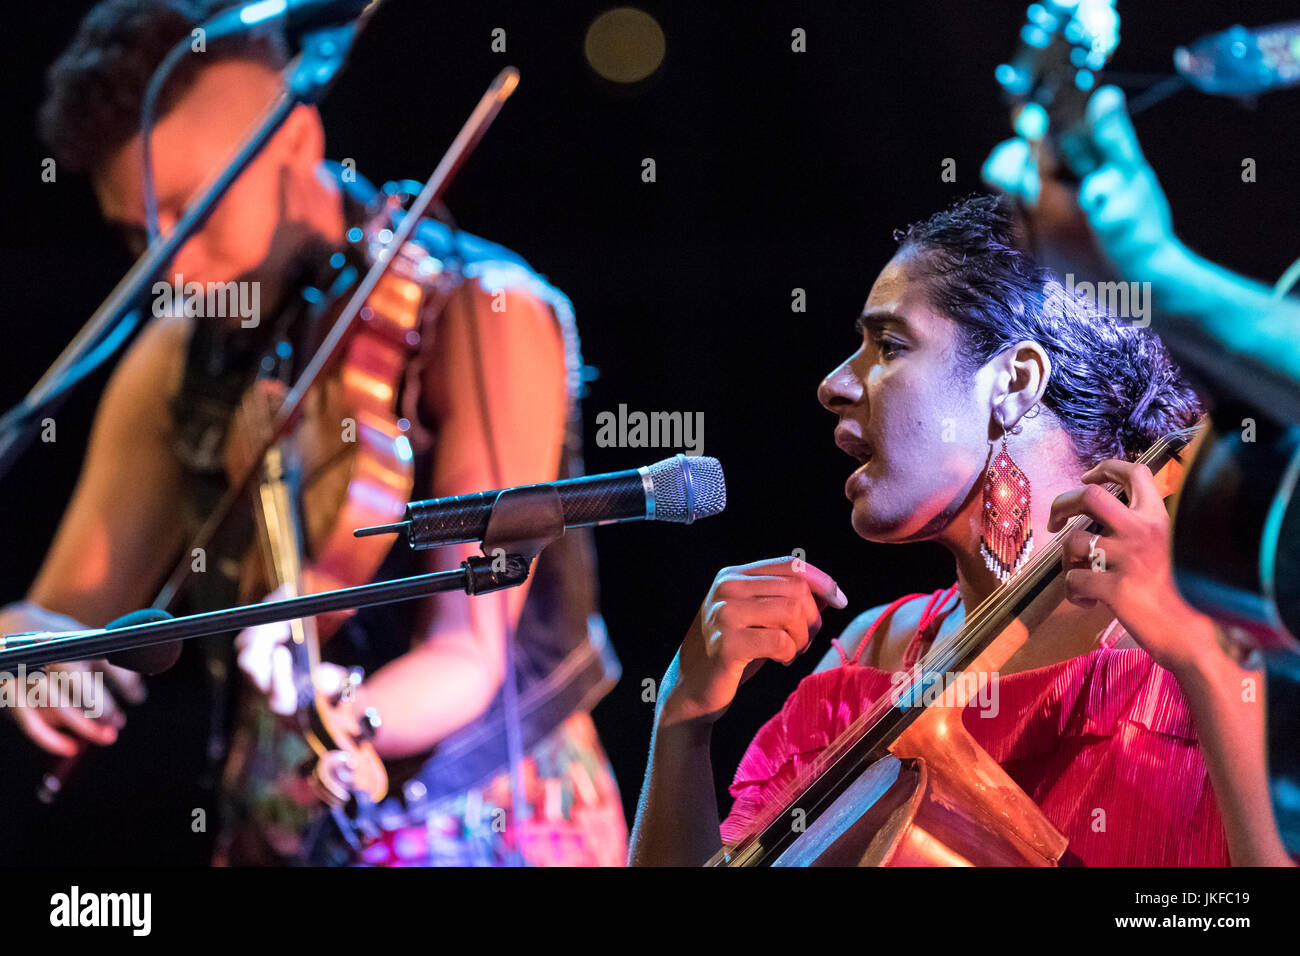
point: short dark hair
(95, 87)
(1113, 386)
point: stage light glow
(624, 45)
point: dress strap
(857, 658)
(928, 626)
(1111, 635)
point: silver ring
(1092, 546)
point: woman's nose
(840, 387)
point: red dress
(1103, 743)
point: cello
(1236, 551)
(906, 784)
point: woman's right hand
(768, 610)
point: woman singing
(1121, 716)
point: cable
(99, 353)
(1287, 281)
(509, 685)
(148, 107)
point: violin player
(1122, 717)
(491, 394)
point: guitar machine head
(1063, 45)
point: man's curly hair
(1113, 386)
(95, 87)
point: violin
(362, 363)
(906, 784)
(349, 462)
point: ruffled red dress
(1104, 743)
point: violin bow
(327, 353)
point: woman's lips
(856, 481)
(856, 449)
(851, 445)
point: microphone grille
(684, 489)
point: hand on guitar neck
(1118, 224)
(266, 659)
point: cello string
(972, 629)
(970, 633)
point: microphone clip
(524, 521)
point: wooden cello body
(937, 798)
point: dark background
(776, 170)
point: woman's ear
(1020, 380)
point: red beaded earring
(1006, 538)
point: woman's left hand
(1128, 566)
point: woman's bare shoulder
(887, 644)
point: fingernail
(840, 600)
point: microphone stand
(476, 575)
(307, 78)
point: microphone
(678, 489)
(295, 16)
(1242, 62)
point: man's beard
(280, 288)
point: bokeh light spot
(624, 45)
